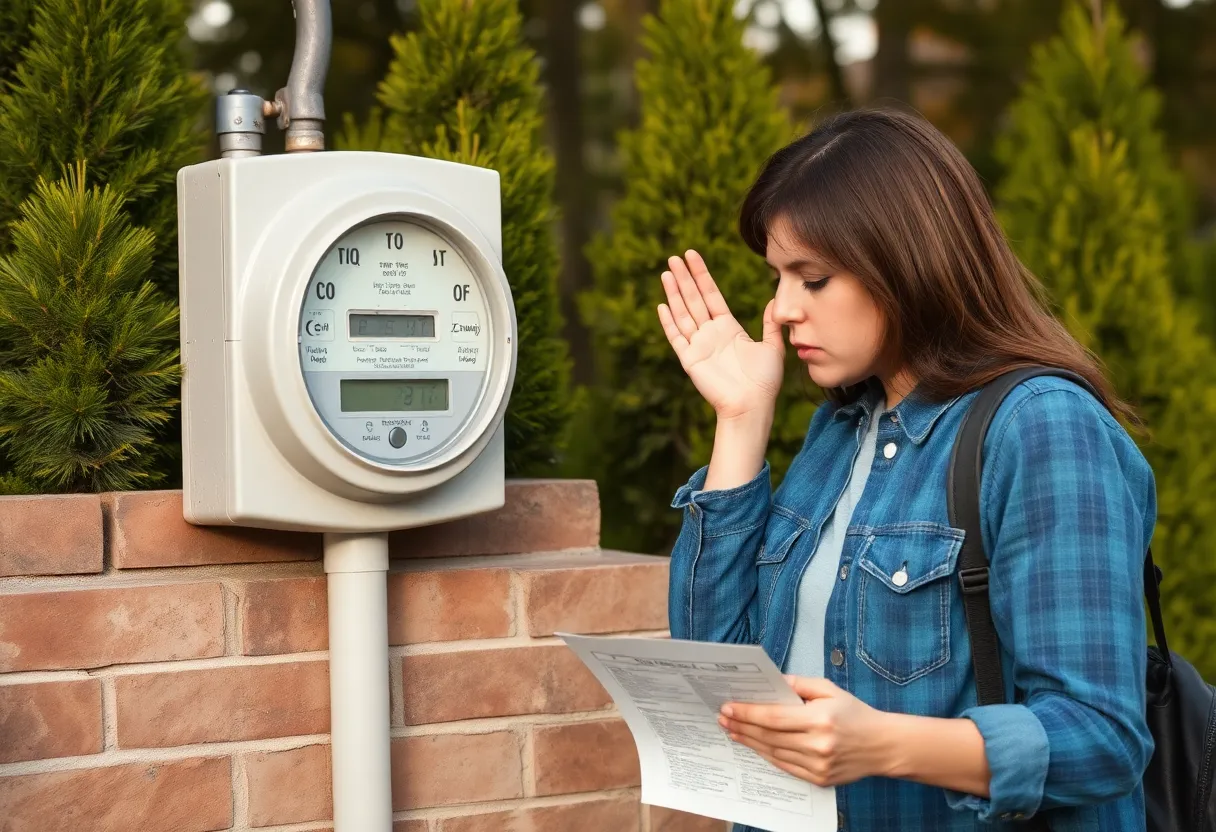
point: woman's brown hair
(884, 196)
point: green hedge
(464, 87)
(1090, 203)
(709, 119)
(105, 82)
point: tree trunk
(892, 65)
(635, 11)
(840, 93)
(563, 70)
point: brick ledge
(81, 533)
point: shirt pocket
(781, 533)
(904, 589)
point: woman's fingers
(689, 290)
(790, 740)
(784, 760)
(679, 311)
(678, 342)
(712, 296)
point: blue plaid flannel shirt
(1068, 507)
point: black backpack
(1178, 785)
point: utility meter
(348, 339)
(348, 345)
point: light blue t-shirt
(815, 589)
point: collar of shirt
(916, 414)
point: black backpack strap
(1152, 592)
(963, 508)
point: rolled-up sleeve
(711, 594)
(1068, 511)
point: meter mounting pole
(356, 577)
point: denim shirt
(1067, 511)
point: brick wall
(158, 677)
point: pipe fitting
(301, 104)
(239, 123)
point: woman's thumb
(772, 329)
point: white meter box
(348, 339)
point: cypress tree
(709, 118)
(1083, 204)
(90, 355)
(105, 82)
(465, 88)
(15, 19)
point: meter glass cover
(364, 325)
(395, 324)
(396, 395)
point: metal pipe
(302, 101)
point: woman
(903, 298)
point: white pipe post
(356, 568)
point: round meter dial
(394, 341)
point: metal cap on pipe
(239, 124)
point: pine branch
(92, 347)
(104, 81)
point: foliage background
(650, 116)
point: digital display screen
(364, 325)
(393, 394)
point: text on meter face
(394, 341)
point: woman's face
(833, 323)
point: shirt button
(889, 450)
(895, 418)
(844, 572)
(837, 657)
(900, 578)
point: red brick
(669, 820)
(289, 786)
(410, 826)
(616, 815)
(147, 529)
(182, 796)
(50, 535)
(223, 704)
(50, 719)
(596, 594)
(539, 516)
(449, 605)
(585, 757)
(445, 769)
(284, 616)
(471, 684)
(98, 627)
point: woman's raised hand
(737, 375)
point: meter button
(466, 326)
(396, 437)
